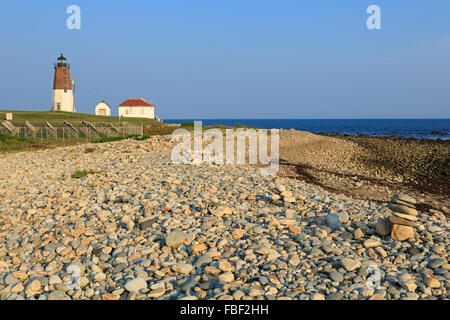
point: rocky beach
(120, 221)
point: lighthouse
(63, 97)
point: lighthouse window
(65, 79)
(64, 71)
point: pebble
(336, 276)
(317, 296)
(136, 285)
(33, 288)
(384, 226)
(57, 295)
(203, 260)
(333, 221)
(350, 264)
(175, 238)
(344, 218)
(372, 243)
(358, 234)
(183, 268)
(408, 285)
(432, 282)
(335, 296)
(226, 277)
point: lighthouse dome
(62, 62)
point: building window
(65, 89)
(58, 106)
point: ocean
(406, 128)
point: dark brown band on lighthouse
(62, 79)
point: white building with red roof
(137, 108)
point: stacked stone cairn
(403, 218)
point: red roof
(136, 102)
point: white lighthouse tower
(63, 98)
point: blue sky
(233, 59)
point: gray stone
(343, 217)
(436, 263)
(136, 285)
(51, 247)
(147, 224)
(335, 296)
(336, 276)
(402, 209)
(203, 260)
(333, 221)
(58, 295)
(175, 238)
(405, 198)
(405, 216)
(384, 227)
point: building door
(102, 112)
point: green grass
(108, 139)
(78, 174)
(57, 118)
(187, 125)
(11, 144)
(111, 139)
(14, 144)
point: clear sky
(233, 58)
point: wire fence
(86, 131)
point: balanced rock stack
(403, 217)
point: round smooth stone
(336, 276)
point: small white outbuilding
(137, 108)
(103, 109)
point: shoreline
(402, 128)
(364, 135)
